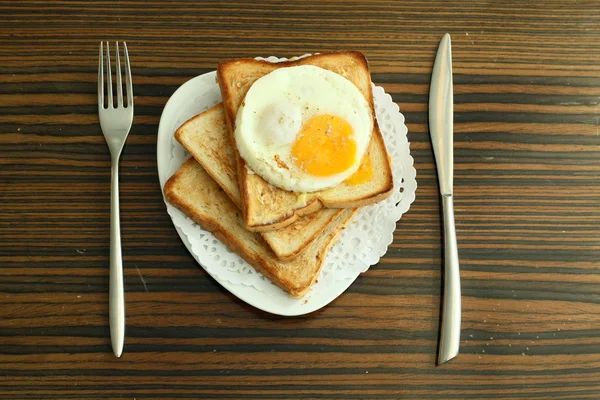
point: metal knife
(441, 120)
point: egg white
(276, 107)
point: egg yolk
(363, 174)
(324, 146)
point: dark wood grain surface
(527, 179)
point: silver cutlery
(115, 123)
(441, 120)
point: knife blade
(441, 130)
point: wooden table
(527, 154)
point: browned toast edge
(347, 216)
(292, 255)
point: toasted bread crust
(233, 102)
(182, 135)
(297, 229)
(288, 219)
(234, 78)
(341, 222)
(209, 206)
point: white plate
(202, 92)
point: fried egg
(303, 128)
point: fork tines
(119, 82)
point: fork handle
(116, 296)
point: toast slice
(266, 207)
(196, 194)
(205, 136)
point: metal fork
(115, 124)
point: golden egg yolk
(324, 146)
(364, 173)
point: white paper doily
(361, 245)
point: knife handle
(450, 331)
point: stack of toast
(284, 235)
